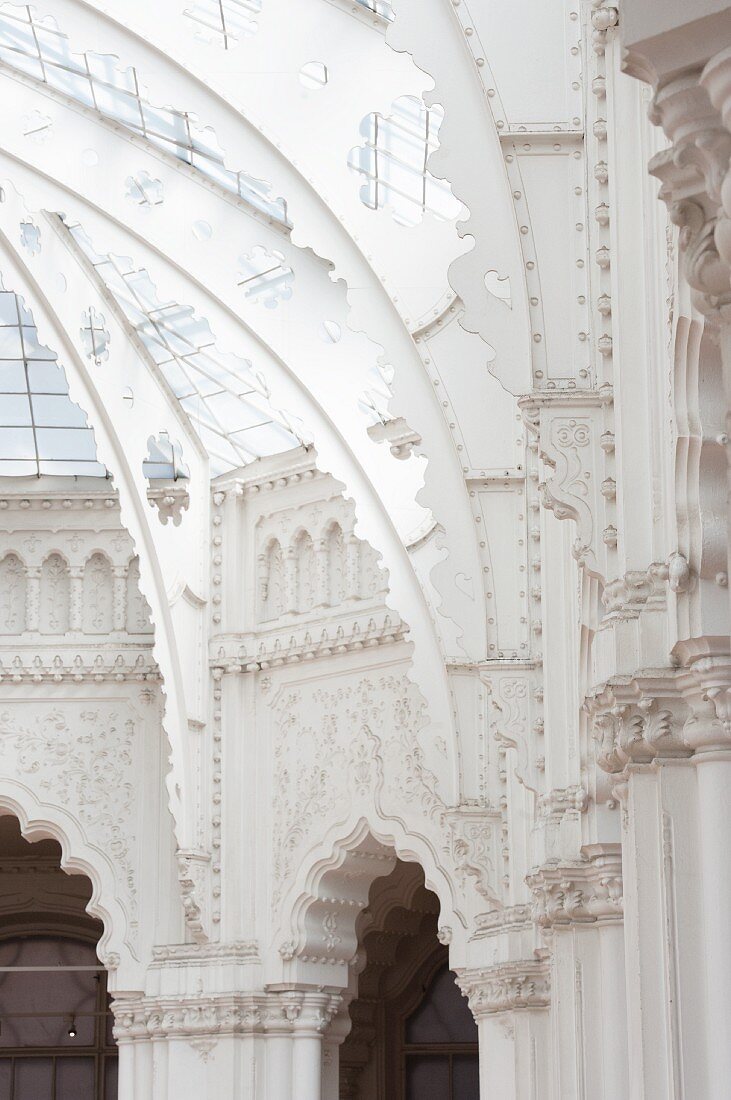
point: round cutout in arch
(313, 75)
(330, 332)
(202, 230)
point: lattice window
(393, 163)
(223, 396)
(41, 430)
(37, 48)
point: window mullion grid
(92, 83)
(27, 386)
(138, 100)
(223, 24)
(39, 51)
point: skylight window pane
(65, 443)
(118, 105)
(32, 349)
(143, 292)
(234, 415)
(15, 409)
(219, 446)
(31, 66)
(203, 387)
(178, 380)
(19, 35)
(104, 69)
(54, 47)
(8, 309)
(46, 378)
(57, 411)
(71, 467)
(17, 468)
(17, 443)
(11, 346)
(12, 378)
(269, 438)
(198, 410)
(158, 351)
(203, 143)
(71, 84)
(220, 175)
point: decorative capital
(671, 713)
(506, 987)
(631, 726)
(692, 174)
(581, 892)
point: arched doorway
(56, 1038)
(412, 1034)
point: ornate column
(578, 906)
(119, 597)
(315, 1011)
(352, 565)
(76, 597)
(509, 1002)
(32, 597)
(665, 736)
(291, 580)
(321, 595)
(670, 741)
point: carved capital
(581, 892)
(636, 591)
(692, 173)
(663, 714)
(708, 690)
(632, 727)
(506, 987)
(562, 800)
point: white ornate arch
(317, 940)
(44, 820)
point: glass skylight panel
(42, 431)
(226, 400)
(374, 401)
(393, 162)
(378, 7)
(164, 460)
(37, 48)
(223, 22)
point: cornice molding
(193, 953)
(252, 653)
(78, 665)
